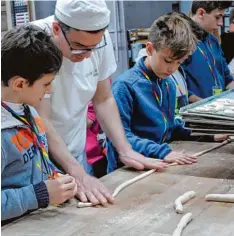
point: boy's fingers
(65, 179)
(69, 186)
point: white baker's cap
(83, 14)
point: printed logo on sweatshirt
(25, 141)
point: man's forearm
(230, 85)
(108, 117)
(59, 151)
(193, 98)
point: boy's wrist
(42, 194)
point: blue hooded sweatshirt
(22, 186)
(200, 80)
(141, 114)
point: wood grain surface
(147, 207)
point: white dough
(182, 224)
(228, 112)
(182, 199)
(131, 181)
(84, 204)
(220, 197)
(120, 187)
(124, 185)
(225, 101)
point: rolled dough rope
(124, 185)
(182, 199)
(220, 197)
(213, 148)
(128, 182)
(182, 224)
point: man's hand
(90, 189)
(180, 157)
(140, 162)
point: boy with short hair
(29, 62)
(206, 69)
(227, 39)
(146, 96)
(179, 76)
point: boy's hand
(61, 189)
(180, 157)
(220, 137)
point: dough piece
(181, 200)
(121, 187)
(229, 112)
(124, 185)
(202, 109)
(182, 224)
(220, 197)
(225, 101)
(212, 148)
(84, 204)
(133, 180)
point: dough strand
(182, 199)
(220, 197)
(182, 224)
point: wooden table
(144, 208)
(216, 164)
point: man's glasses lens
(82, 51)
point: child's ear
(200, 13)
(18, 83)
(149, 48)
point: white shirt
(179, 80)
(231, 66)
(74, 87)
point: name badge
(216, 90)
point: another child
(30, 61)
(179, 77)
(146, 96)
(206, 69)
(227, 39)
(95, 147)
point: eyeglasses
(82, 51)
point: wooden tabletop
(216, 164)
(143, 208)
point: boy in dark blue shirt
(207, 70)
(146, 96)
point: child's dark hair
(195, 27)
(209, 6)
(28, 52)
